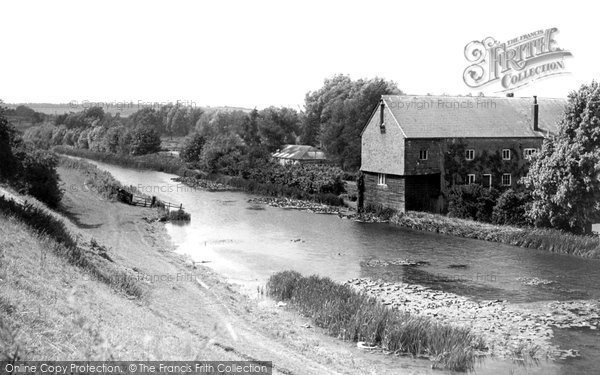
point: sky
(262, 53)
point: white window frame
(484, 176)
(469, 177)
(381, 180)
(469, 152)
(529, 151)
(423, 152)
(509, 154)
(509, 179)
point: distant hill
(125, 109)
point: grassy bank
(89, 256)
(536, 238)
(353, 316)
(96, 179)
(103, 183)
(154, 162)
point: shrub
(8, 141)
(383, 213)
(511, 207)
(144, 141)
(472, 202)
(192, 149)
(37, 176)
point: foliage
(511, 207)
(354, 316)
(277, 126)
(336, 114)
(37, 176)
(144, 141)
(223, 154)
(360, 186)
(192, 149)
(27, 168)
(457, 167)
(563, 177)
(472, 202)
(8, 141)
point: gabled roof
(473, 116)
(300, 152)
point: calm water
(247, 242)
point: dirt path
(195, 301)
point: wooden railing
(137, 200)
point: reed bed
(353, 316)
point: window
(423, 155)
(506, 154)
(487, 180)
(469, 154)
(381, 179)
(470, 179)
(529, 151)
(506, 179)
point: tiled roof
(474, 117)
(300, 152)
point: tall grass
(354, 316)
(536, 238)
(67, 246)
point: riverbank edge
(261, 314)
(550, 240)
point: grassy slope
(51, 309)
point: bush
(192, 149)
(37, 176)
(383, 213)
(144, 141)
(511, 207)
(8, 141)
(472, 202)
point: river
(247, 242)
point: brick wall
(438, 150)
(391, 195)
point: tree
(144, 141)
(192, 149)
(337, 113)
(564, 177)
(8, 141)
(277, 126)
(38, 176)
(223, 154)
(147, 117)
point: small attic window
(381, 117)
